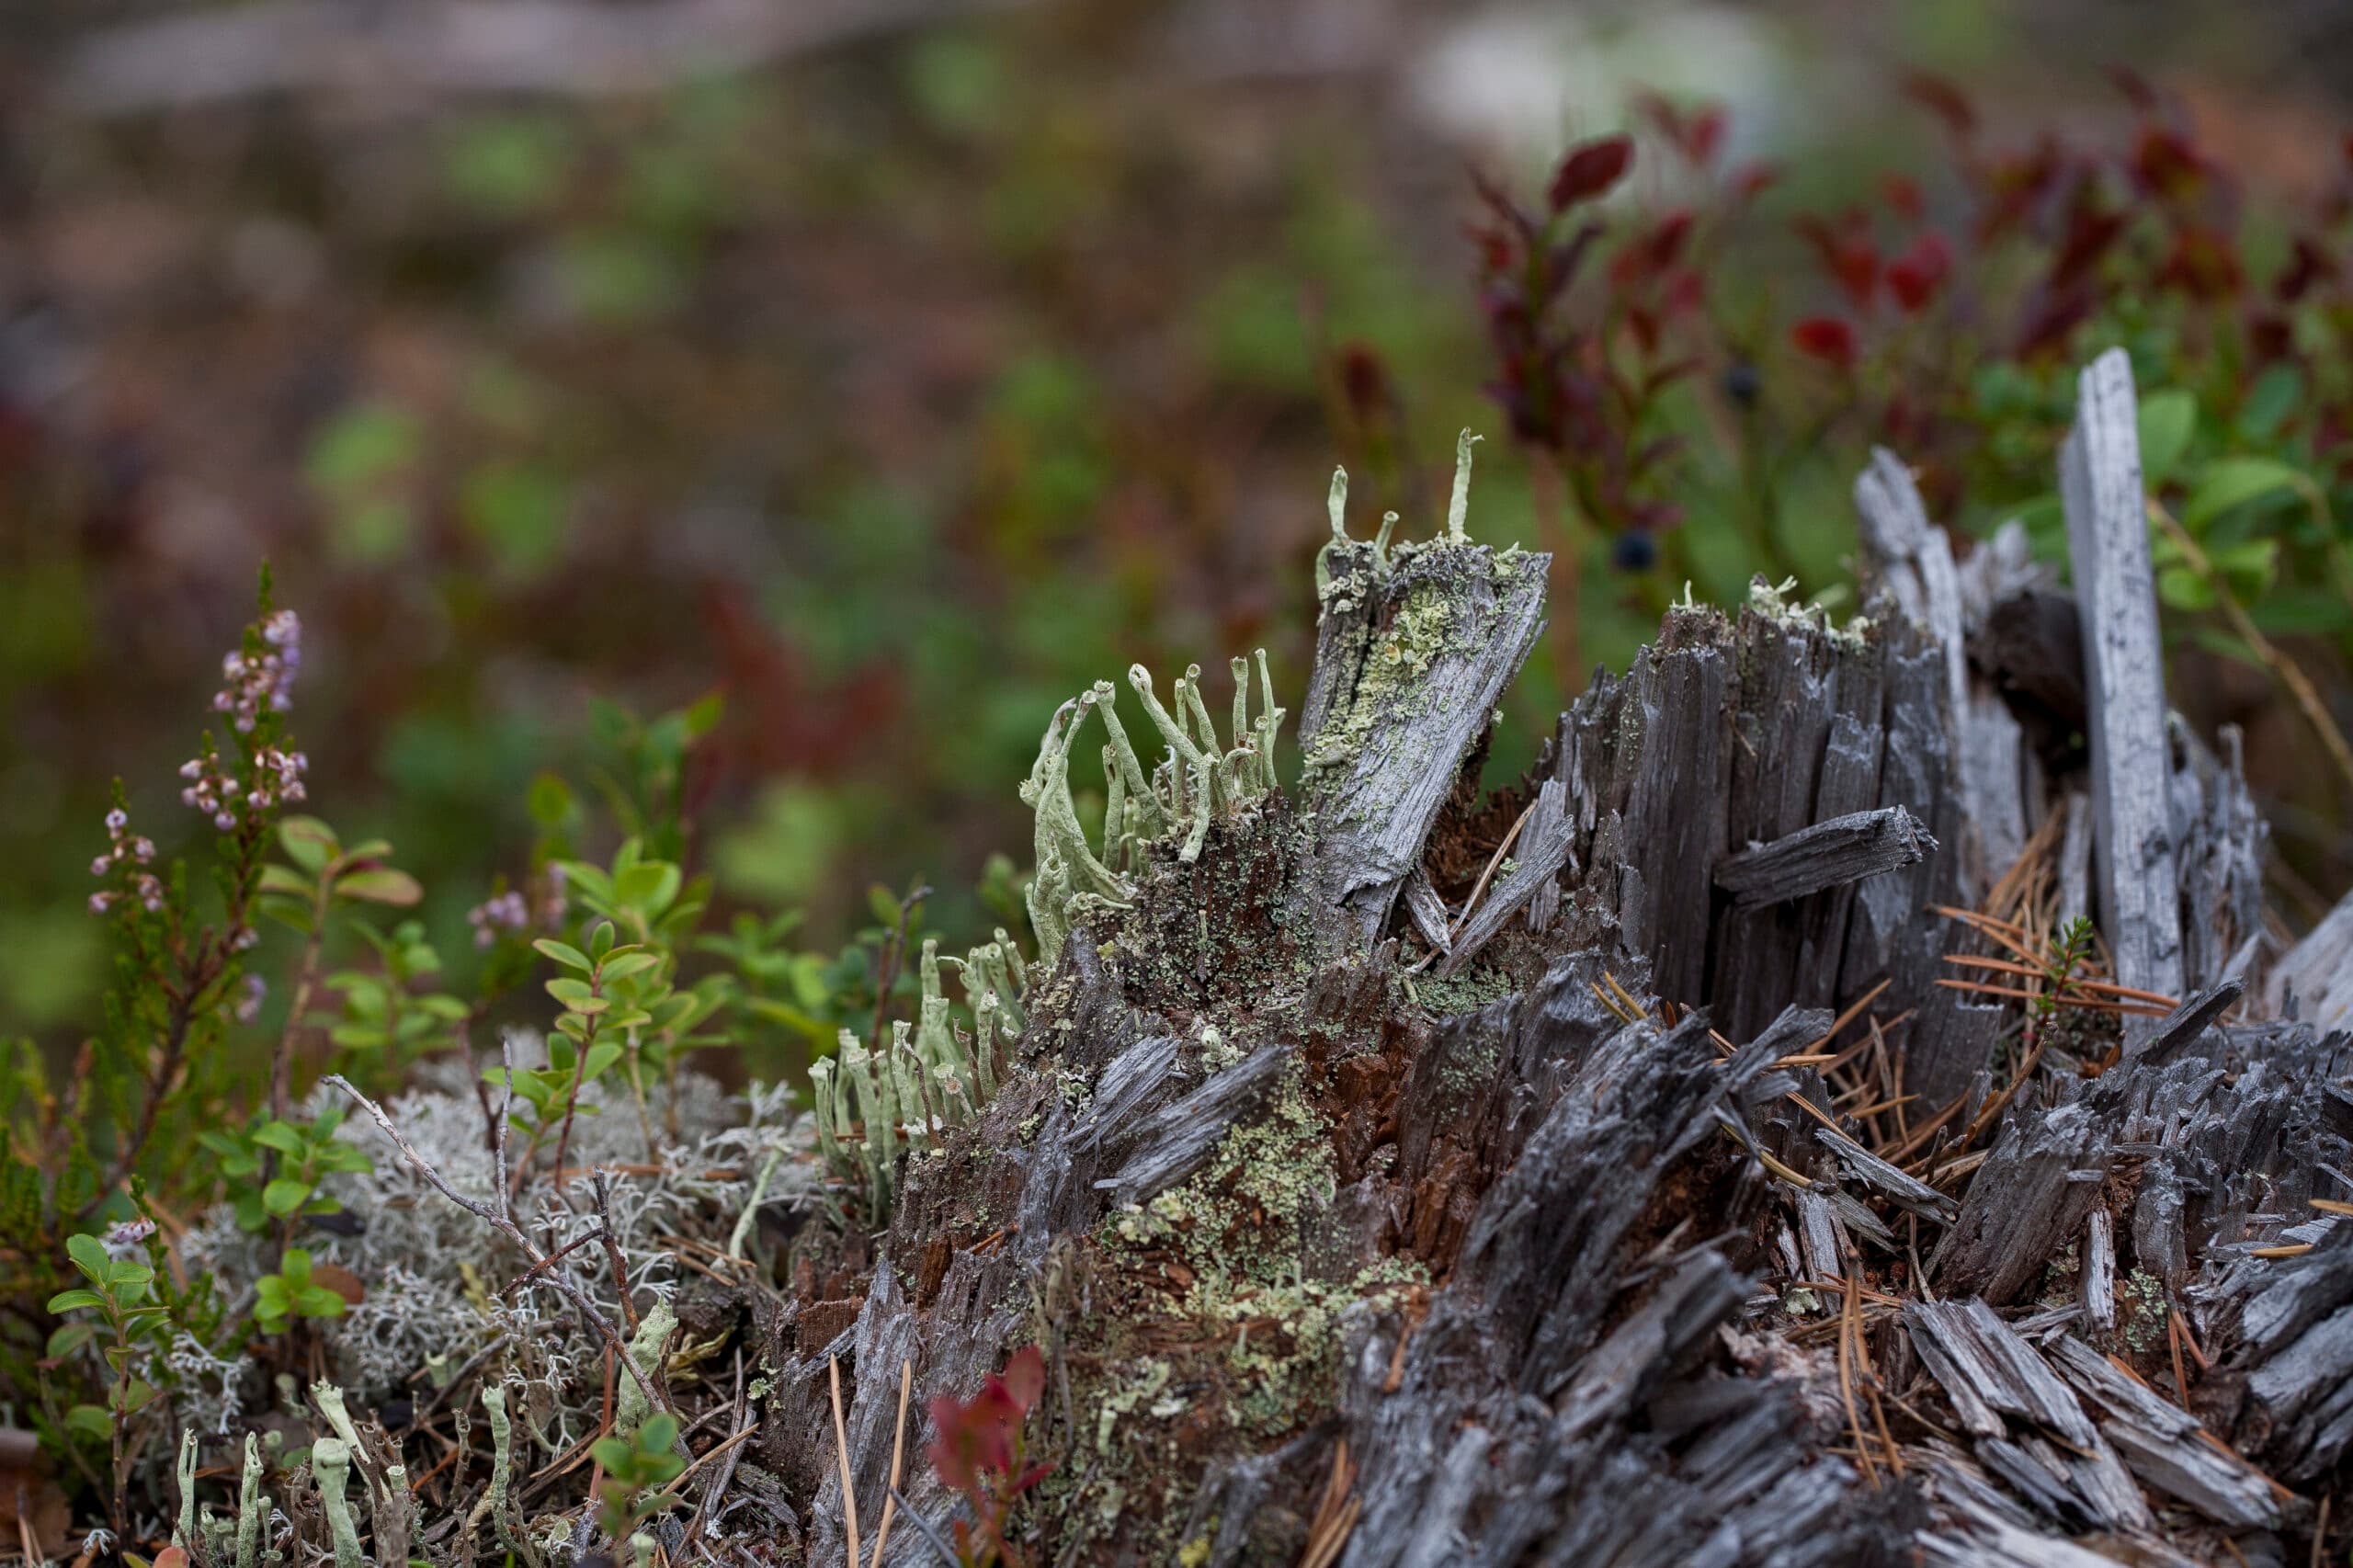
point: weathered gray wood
(1905, 1191)
(1434, 640)
(2107, 543)
(2316, 976)
(1607, 1364)
(1985, 1368)
(2162, 1443)
(1829, 854)
(1173, 1144)
(1544, 851)
(2097, 1285)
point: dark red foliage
(979, 1435)
(1845, 252)
(2052, 314)
(1589, 170)
(1652, 253)
(978, 1452)
(1940, 98)
(1902, 193)
(2166, 165)
(1827, 339)
(1364, 381)
(2204, 264)
(1917, 276)
(2308, 265)
(1697, 134)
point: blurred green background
(896, 369)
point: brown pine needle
(2292, 1249)
(1838, 1025)
(2330, 1206)
(1480, 887)
(898, 1447)
(1626, 996)
(841, 1452)
(2173, 1348)
(1849, 1320)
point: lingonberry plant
(979, 1452)
(1647, 340)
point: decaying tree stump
(1363, 1227)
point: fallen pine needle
(841, 1452)
(898, 1447)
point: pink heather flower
(101, 866)
(100, 903)
(506, 912)
(122, 1242)
(223, 820)
(249, 1005)
(116, 820)
(143, 850)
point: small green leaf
(2168, 419)
(285, 880)
(2273, 397)
(551, 801)
(884, 904)
(564, 954)
(310, 843)
(575, 994)
(601, 1056)
(88, 1255)
(380, 884)
(75, 1300)
(2228, 482)
(90, 1421)
(69, 1337)
(621, 966)
(284, 1196)
(281, 1136)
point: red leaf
(1752, 180)
(1828, 338)
(2135, 88)
(1364, 381)
(2090, 232)
(2309, 263)
(1940, 98)
(2204, 265)
(2270, 338)
(1706, 136)
(2167, 164)
(2050, 318)
(1025, 1379)
(1653, 253)
(1847, 253)
(1915, 277)
(1589, 170)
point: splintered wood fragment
(1906, 1191)
(2316, 974)
(2165, 1446)
(2098, 1282)
(1985, 1367)
(1410, 663)
(2107, 545)
(1426, 910)
(1539, 866)
(1172, 1143)
(2187, 1022)
(1828, 855)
